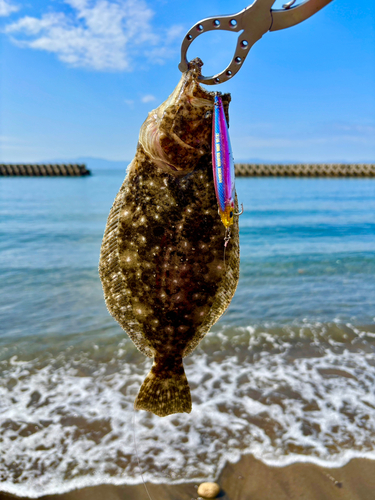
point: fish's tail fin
(165, 390)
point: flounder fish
(161, 263)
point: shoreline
(249, 479)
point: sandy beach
(288, 371)
(250, 479)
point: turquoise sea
(287, 374)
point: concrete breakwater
(305, 170)
(242, 170)
(44, 170)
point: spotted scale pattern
(162, 260)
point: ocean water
(287, 374)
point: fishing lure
(223, 167)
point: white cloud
(6, 8)
(253, 142)
(306, 135)
(98, 34)
(10, 144)
(360, 128)
(6, 139)
(148, 98)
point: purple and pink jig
(223, 167)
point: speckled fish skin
(161, 262)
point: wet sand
(250, 479)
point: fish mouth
(178, 133)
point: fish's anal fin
(165, 390)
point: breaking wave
(298, 393)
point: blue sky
(78, 78)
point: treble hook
(288, 5)
(239, 213)
(227, 237)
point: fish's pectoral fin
(165, 390)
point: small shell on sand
(208, 490)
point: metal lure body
(222, 164)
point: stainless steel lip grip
(253, 22)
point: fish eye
(208, 114)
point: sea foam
(300, 393)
